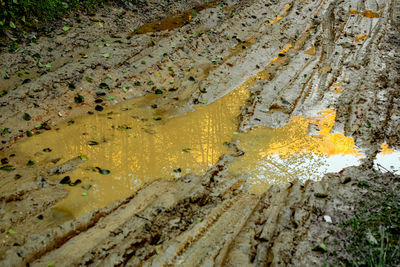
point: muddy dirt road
(211, 134)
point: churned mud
(197, 133)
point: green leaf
(48, 66)
(158, 74)
(110, 97)
(66, 28)
(321, 195)
(27, 117)
(363, 183)
(12, 25)
(4, 131)
(157, 118)
(368, 124)
(104, 86)
(78, 181)
(50, 265)
(103, 171)
(87, 187)
(87, 78)
(83, 158)
(179, 170)
(92, 143)
(11, 231)
(106, 55)
(79, 99)
(187, 150)
(5, 75)
(158, 91)
(30, 163)
(84, 194)
(320, 247)
(7, 168)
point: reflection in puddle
(278, 156)
(137, 144)
(388, 160)
(279, 17)
(366, 13)
(171, 23)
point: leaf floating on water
(87, 187)
(98, 108)
(30, 163)
(92, 143)
(7, 168)
(103, 171)
(79, 99)
(75, 183)
(104, 86)
(65, 180)
(27, 117)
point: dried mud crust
(210, 220)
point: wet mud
(213, 134)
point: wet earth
(196, 133)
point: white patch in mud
(388, 160)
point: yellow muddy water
(171, 23)
(135, 147)
(281, 155)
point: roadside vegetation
(34, 14)
(371, 236)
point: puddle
(388, 160)
(281, 155)
(360, 38)
(279, 17)
(137, 144)
(366, 13)
(171, 23)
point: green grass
(376, 230)
(25, 14)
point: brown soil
(295, 57)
